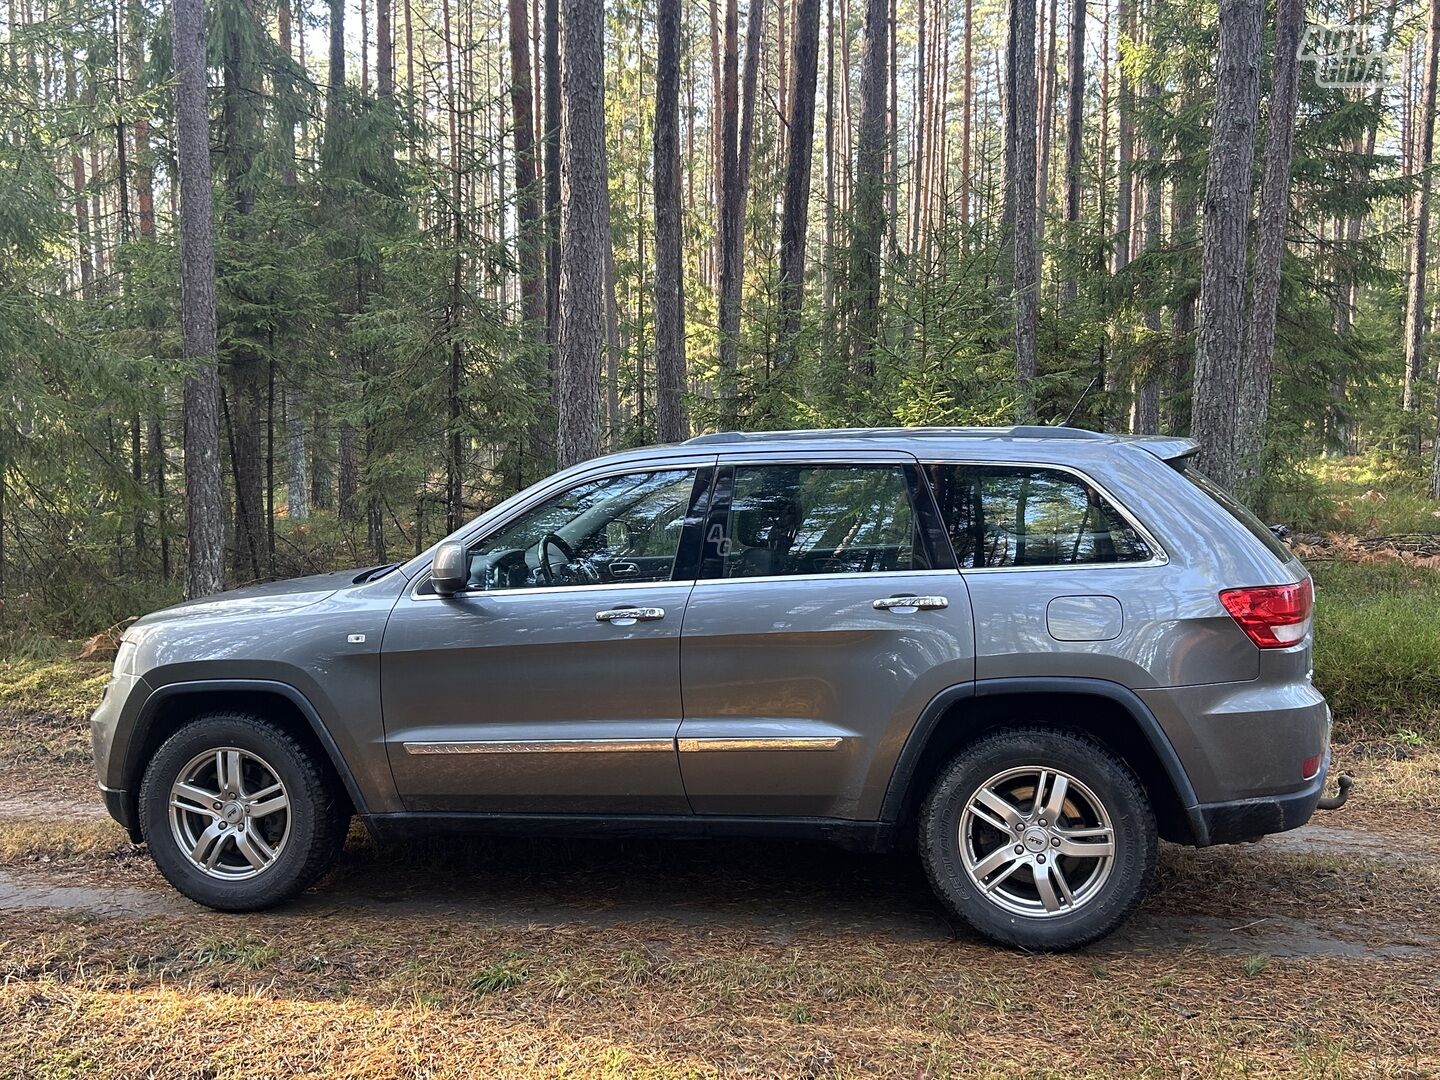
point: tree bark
(1255, 376)
(795, 212)
(552, 186)
(672, 423)
(204, 506)
(530, 239)
(246, 365)
(584, 231)
(736, 138)
(1219, 344)
(1420, 246)
(1074, 146)
(869, 194)
(1020, 120)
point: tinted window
(793, 519)
(616, 529)
(1010, 516)
(1240, 512)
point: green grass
(1377, 657)
(1363, 496)
(67, 686)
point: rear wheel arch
(173, 706)
(1111, 714)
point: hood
(268, 597)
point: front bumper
(121, 806)
(1249, 819)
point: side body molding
(1159, 742)
(251, 686)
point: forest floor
(1313, 953)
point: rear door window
(1018, 516)
(828, 519)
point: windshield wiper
(375, 572)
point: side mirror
(449, 569)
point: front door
(552, 684)
(828, 614)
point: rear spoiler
(1173, 451)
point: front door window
(617, 529)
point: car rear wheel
(238, 814)
(1039, 839)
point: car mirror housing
(448, 572)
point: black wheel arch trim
(911, 753)
(252, 686)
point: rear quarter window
(1239, 511)
(1015, 516)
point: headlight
(124, 657)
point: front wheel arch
(172, 706)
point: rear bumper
(1249, 819)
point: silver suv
(1029, 651)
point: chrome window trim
(760, 742)
(545, 590)
(819, 577)
(1160, 557)
(540, 746)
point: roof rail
(716, 437)
(1019, 431)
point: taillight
(1274, 616)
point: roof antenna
(1079, 401)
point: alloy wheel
(1037, 842)
(229, 813)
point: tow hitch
(1344, 782)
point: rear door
(828, 612)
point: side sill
(871, 836)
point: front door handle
(629, 616)
(908, 603)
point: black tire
(1111, 782)
(318, 807)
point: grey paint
(1084, 618)
(750, 698)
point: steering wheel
(558, 542)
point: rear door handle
(906, 604)
(629, 616)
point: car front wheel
(1039, 839)
(238, 814)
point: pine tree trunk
(868, 230)
(967, 211)
(1420, 245)
(552, 188)
(1020, 120)
(384, 49)
(1147, 400)
(1220, 342)
(1074, 145)
(672, 424)
(920, 117)
(530, 239)
(1124, 199)
(1255, 376)
(584, 232)
(204, 505)
(736, 133)
(795, 212)
(246, 367)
